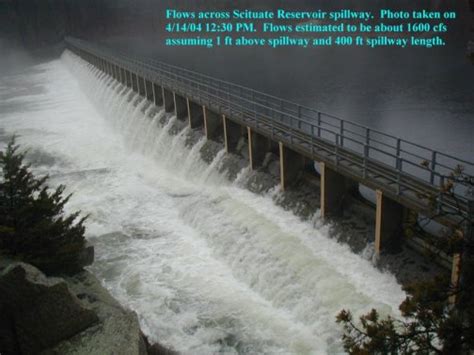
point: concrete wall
(180, 107)
(141, 86)
(158, 94)
(213, 125)
(291, 166)
(232, 134)
(335, 188)
(195, 114)
(149, 91)
(388, 223)
(168, 100)
(258, 148)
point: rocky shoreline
(65, 315)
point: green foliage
(431, 323)
(33, 226)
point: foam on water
(208, 267)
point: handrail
(372, 146)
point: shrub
(33, 226)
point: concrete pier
(128, 77)
(213, 124)
(195, 114)
(141, 86)
(258, 148)
(232, 134)
(124, 77)
(388, 223)
(114, 72)
(134, 82)
(137, 79)
(168, 100)
(334, 188)
(180, 107)
(149, 91)
(291, 166)
(158, 95)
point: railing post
(366, 156)
(255, 107)
(399, 145)
(228, 100)
(291, 130)
(398, 165)
(336, 152)
(342, 133)
(319, 124)
(281, 112)
(433, 167)
(399, 169)
(273, 128)
(440, 194)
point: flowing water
(208, 266)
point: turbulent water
(208, 266)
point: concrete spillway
(208, 266)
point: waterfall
(208, 266)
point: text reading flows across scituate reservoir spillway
(282, 14)
(269, 15)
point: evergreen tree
(33, 226)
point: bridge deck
(403, 170)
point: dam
(404, 175)
(207, 265)
(236, 200)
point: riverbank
(65, 315)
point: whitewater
(208, 266)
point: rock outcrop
(118, 330)
(69, 315)
(38, 312)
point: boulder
(37, 312)
(157, 348)
(118, 331)
(65, 261)
(86, 256)
(60, 316)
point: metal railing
(401, 167)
